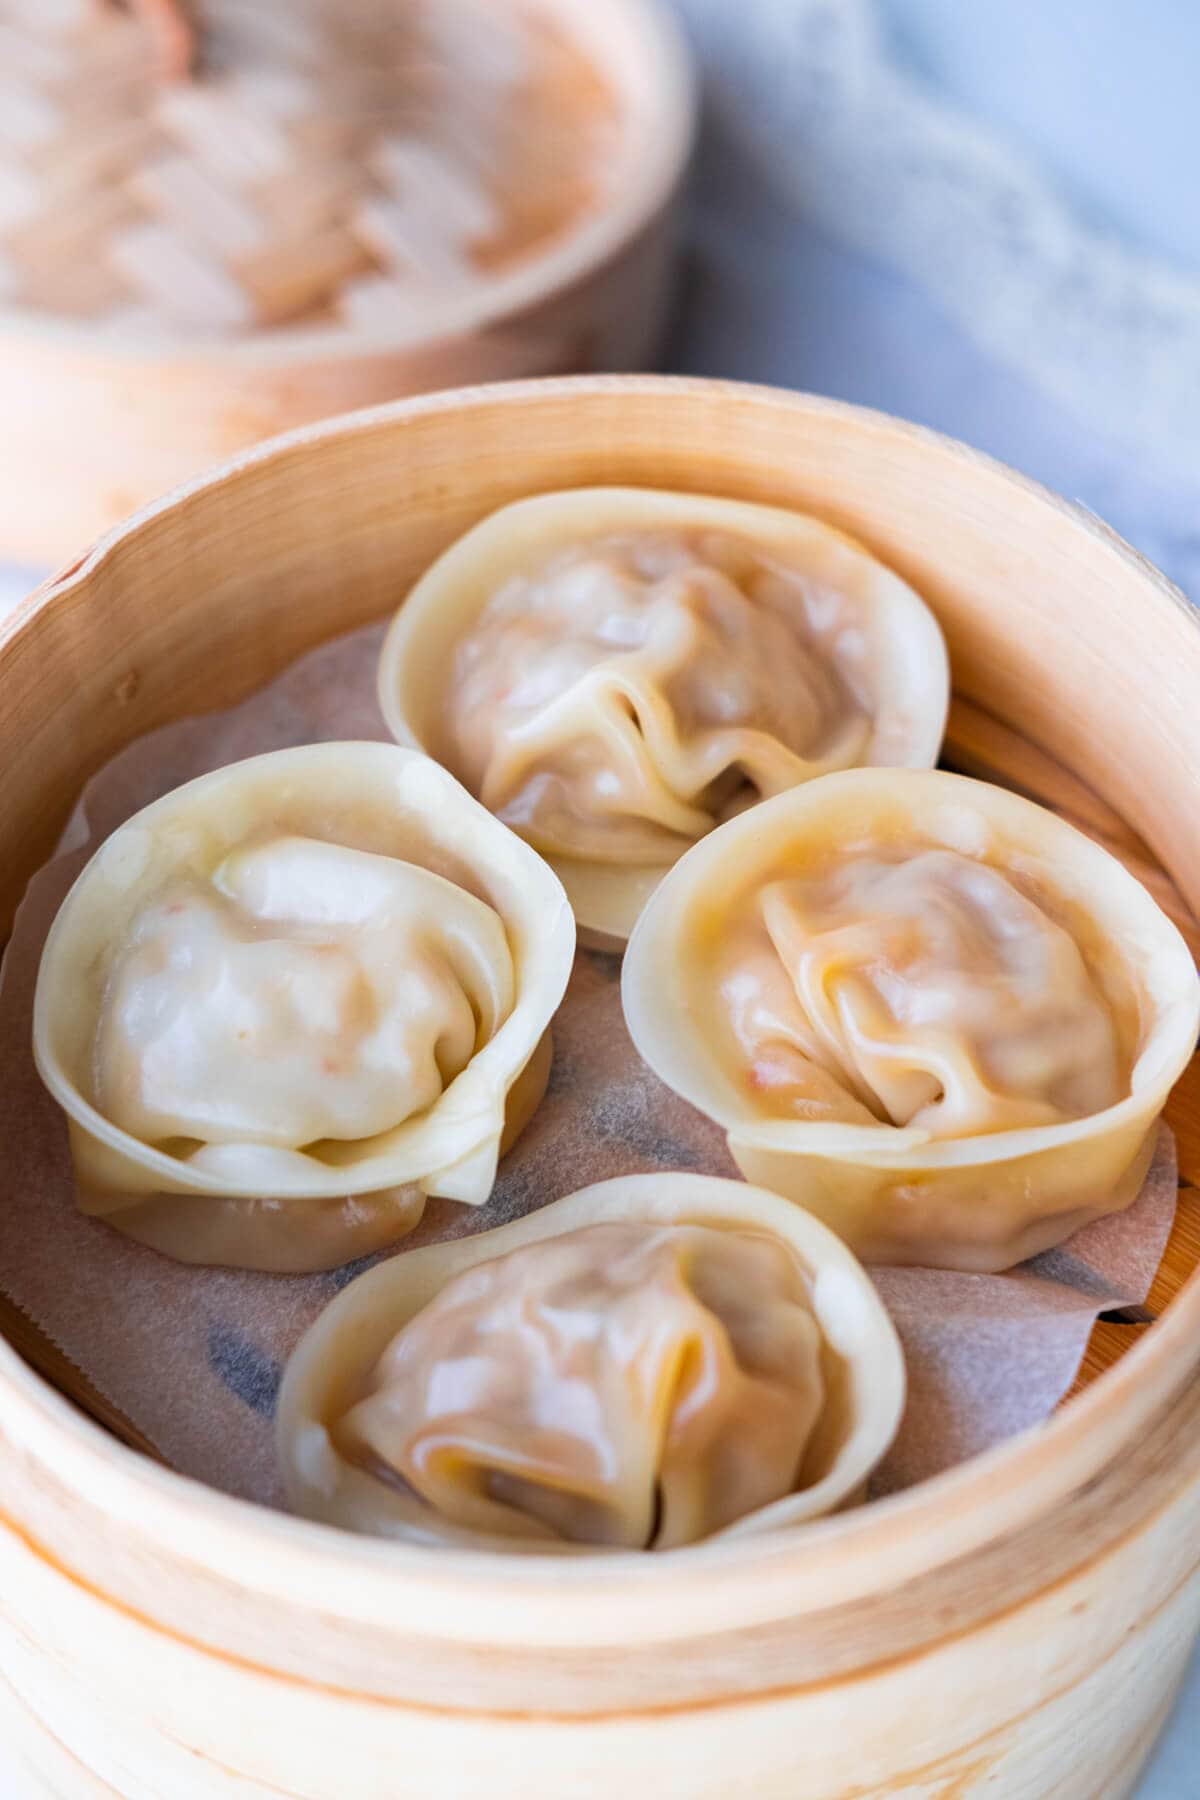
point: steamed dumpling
(629, 1385)
(931, 1010)
(614, 672)
(293, 998)
(640, 1366)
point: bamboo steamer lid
(222, 219)
(214, 166)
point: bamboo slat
(341, 202)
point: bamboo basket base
(1032, 1714)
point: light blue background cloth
(1101, 93)
(892, 212)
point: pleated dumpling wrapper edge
(650, 1362)
(926, 1008)
(614, 671)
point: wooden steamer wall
(1014, 1629)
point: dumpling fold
(648, 1363)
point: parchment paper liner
(193, 1357)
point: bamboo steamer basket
(96, 421)
(1015, 1628)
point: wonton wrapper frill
(630, 741)
(358, 881)
(861, 1366)
(977, 1199)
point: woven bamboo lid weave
(224, 165)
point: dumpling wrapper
(649, 1362)
(623, 1385)
(615, 671)
(289, 1000)
(924, 1007)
